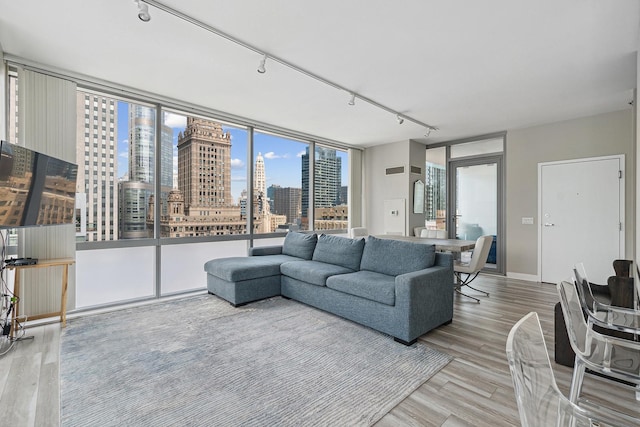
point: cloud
(271, 155)
(239, 178)
(124, 154)
(237, 164)
(302, 153)
(175, 120)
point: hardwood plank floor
(475, 389)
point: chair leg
(576, 380)
(468, 296)
(478, 290)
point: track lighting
(143, 14)
(261, 68)
(143, 11)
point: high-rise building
(96, 148)
(287, 201)
(135, 193)
(204, 165)
(202, 204)
(270, 196)
(327, 182)
(260, 184)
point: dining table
(454, 246)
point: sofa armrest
(424, 298)
(265, 250)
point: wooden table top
(450, 245)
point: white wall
(381, 187)
(600, 135)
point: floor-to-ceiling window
(162, 190)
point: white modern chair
(356, 232)
(418, 230)
(465, 273)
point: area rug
(198, 361)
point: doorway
(581, 216)
(476, 204)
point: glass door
(475, 204)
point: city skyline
(282, 156)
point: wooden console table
(43, 263)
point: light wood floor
(475, 389)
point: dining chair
(540, 402)
(608, 355)
(466, 272)
(622, 319)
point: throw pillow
(339, 251)
(299, 245)
(395, 257)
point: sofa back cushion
(339, 251)
(299, 245)
(395, 257)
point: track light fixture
(143, 11)
(261, 68)
(143, 14)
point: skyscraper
(260, 185)
(327, 182)
(202, 204)
(204, 165)
(96, 186)
(134, 193)
(287, 201)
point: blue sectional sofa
(403, 289)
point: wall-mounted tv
(35, 189)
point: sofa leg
(285, 297)
(448, 322)
(238, 305)
(405, 342)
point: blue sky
(282, 156)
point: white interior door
(581, 217)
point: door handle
(548, 224)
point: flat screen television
(35, 189)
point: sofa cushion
(299, 245)
(235, 269)
(313, 272)
(339, 251)
(366, 284)
(395, 257)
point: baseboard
(520, 276)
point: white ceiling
(467, 67)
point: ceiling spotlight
(143, 11)
(400, 119)
(352, 101)
(427, 132)
(261, 68)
